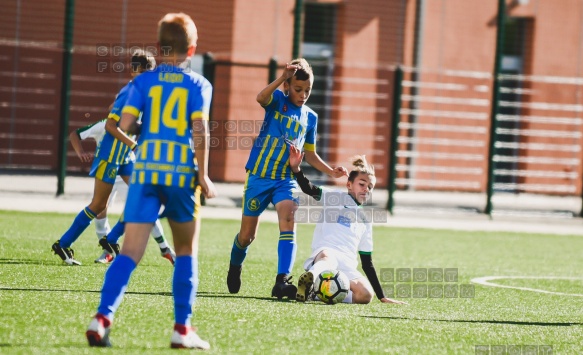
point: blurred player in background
(175, 105)
(104, 232)
(95, 131)
(269, 178)
(112, 158)
(336, 242)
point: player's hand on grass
(390, 300)
(295, 158)
(339, 172)
(208, 188)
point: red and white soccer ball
(331, 286)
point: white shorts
(345, 263)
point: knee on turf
(361, 294)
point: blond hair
(361, 166)
(176, 33)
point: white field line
(485, 281)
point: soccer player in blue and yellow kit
(112, 158)
(175, 104)
(288, 121)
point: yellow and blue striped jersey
(170, 99)
(111, 149)
(284, 123)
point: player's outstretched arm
(265, 95)
(76, 143)
(314, 160)
(200, 137)
(127, 123)
(371, 275)
(295, 158)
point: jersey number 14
(173, 114)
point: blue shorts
(144, 201)
(107, 172)
(259, 192)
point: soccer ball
(331, 286)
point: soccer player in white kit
(343, 232)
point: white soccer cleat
(189, 341)
(169, 254)
(105, 258)
(98, 331)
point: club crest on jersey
(112, 173)
(253, 204)
(284, 108)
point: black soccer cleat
(111, 248)
(284, 288)
(234, 278)
(305, 287)
(66, 254)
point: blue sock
(80, 223)
(184, 287)
(115, 284)
(238, 253)
(286, 251)
(116, 232)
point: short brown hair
(304, 72)
(142, 60)
(177, 32)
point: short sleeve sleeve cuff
(131, 110)
(310, 147)
(199, 115)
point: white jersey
(344, 226)
(95, 131)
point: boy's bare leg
(136, 240)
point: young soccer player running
(269, 178)
(336, 242)
(111, 159)
(97, 131)
(175, 105)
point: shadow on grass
(199, 294)
(509, 322)
(24, 261)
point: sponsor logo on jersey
(345, 221)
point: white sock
(348, 298)
(102, 227)
(158, 234)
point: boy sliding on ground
(336, 242)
